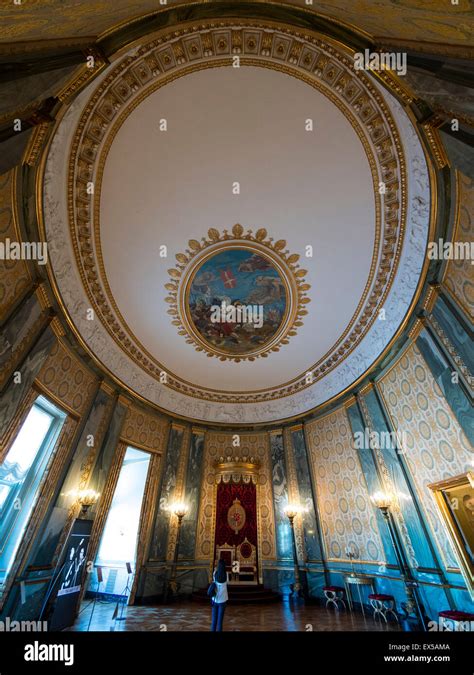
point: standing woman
(219, 600)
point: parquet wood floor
(189, 616)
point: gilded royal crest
(236, 516)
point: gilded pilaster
(207, 506)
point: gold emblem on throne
(236, 516)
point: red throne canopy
(246, 494)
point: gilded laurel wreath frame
(197, 252)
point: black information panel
(68, 583)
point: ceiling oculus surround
(371, 256)
(237, 295)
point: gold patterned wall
(346, 513)
(459, 275)
(434, 444)
(14, 277)
(207, 505)
(220, 445)
(144, 430)
(66, 380)
(431, 20)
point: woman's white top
(221, 595)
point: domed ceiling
(220, 239)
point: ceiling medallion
(237, 296)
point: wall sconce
(292, 510)
(86, 498)
(179, 509)
(382, 500)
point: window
(21, 473)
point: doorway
(118, 545)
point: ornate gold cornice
(349, 402)
(84, 75)
(178, 426)
(105, 386)
(431, 297)
(57, 327)
(365, 389)
(42, 295)
(295, 427)
(35, 143)
(436, 144)
(395, 84)
(124, 400)
(416, 328)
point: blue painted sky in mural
(237, 276)
(245, 268)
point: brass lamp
(178, 509)
(291, 511)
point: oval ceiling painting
(237, 295)
(237, 301)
